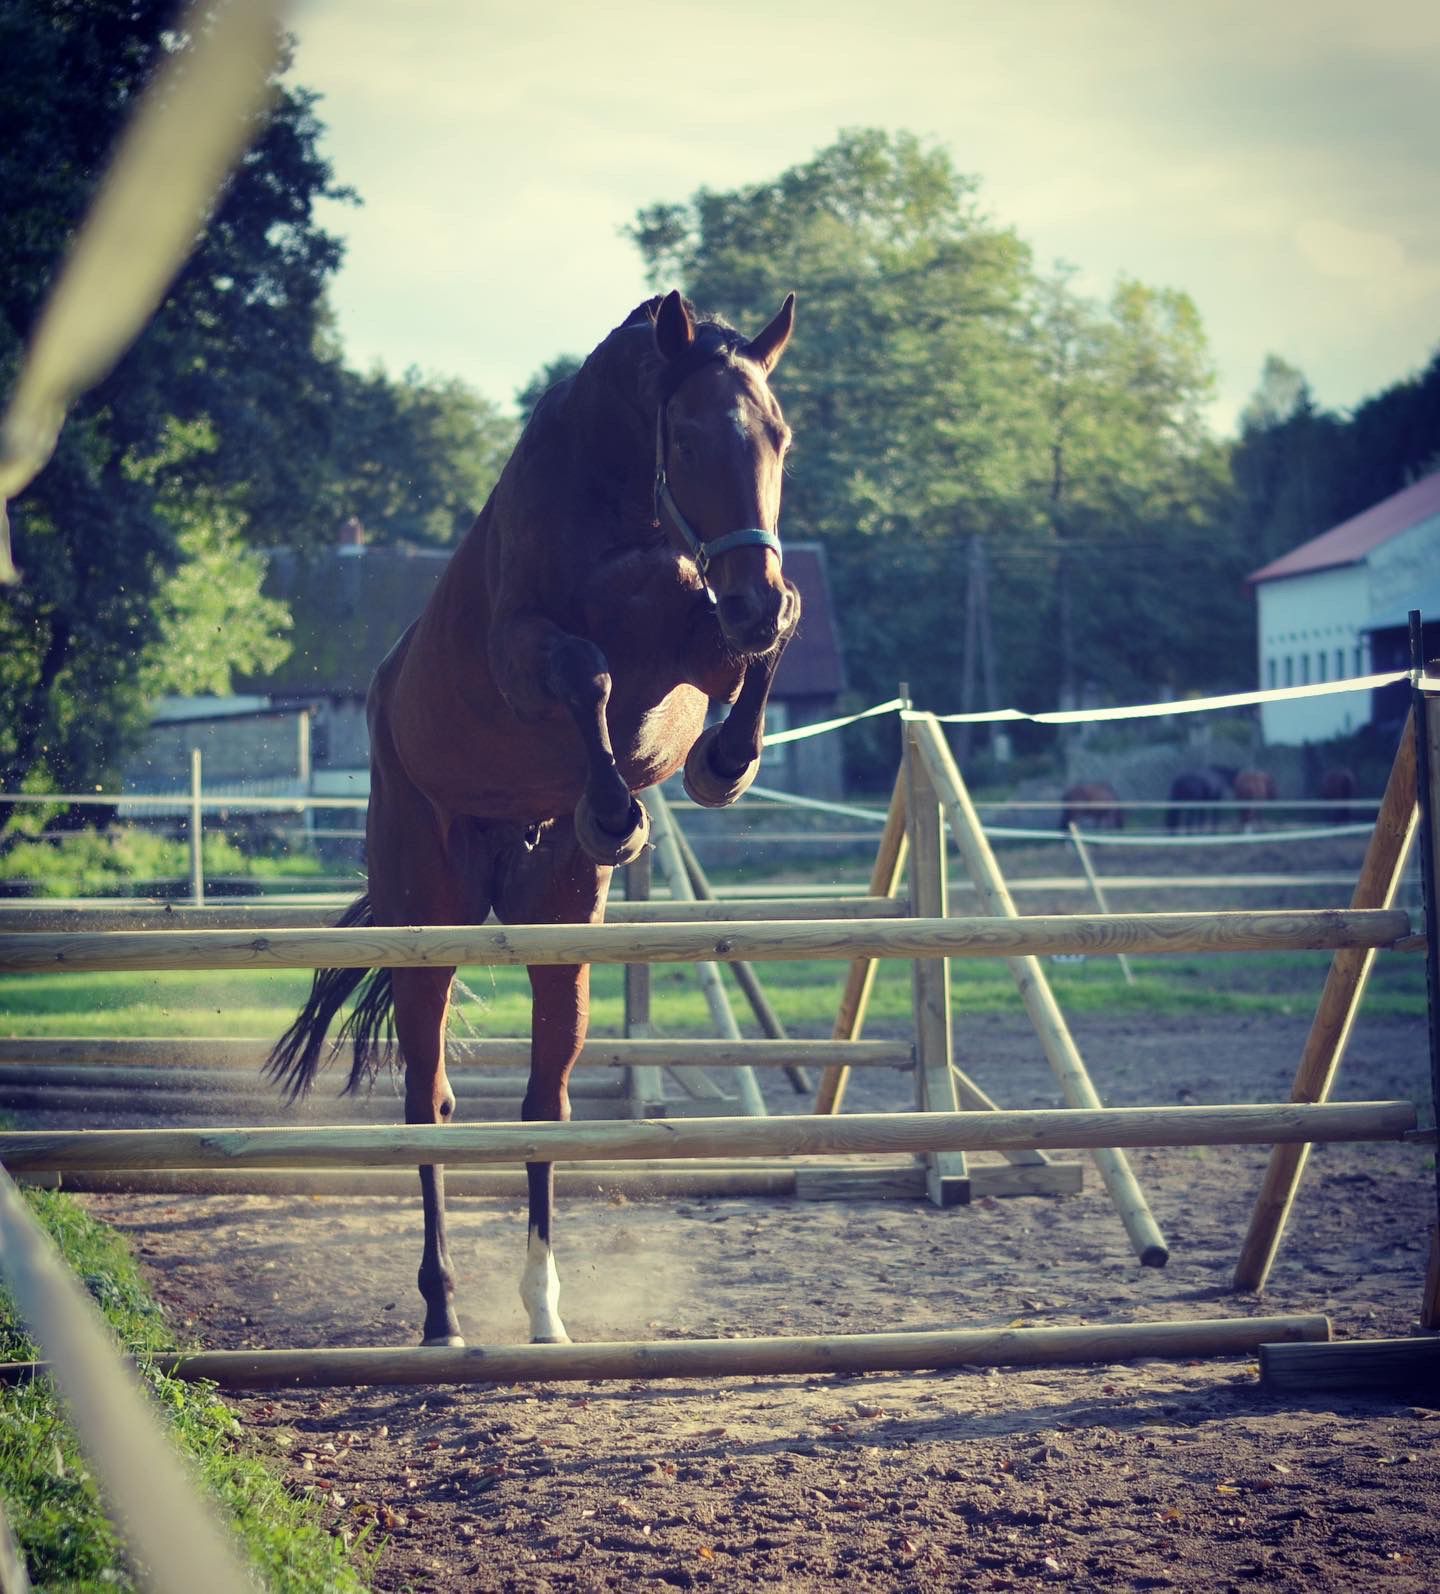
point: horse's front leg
(537, 663)
(725, 758)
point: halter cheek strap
(701, 551)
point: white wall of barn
(1312, 628)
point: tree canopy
(941, 389)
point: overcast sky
(1275, 159)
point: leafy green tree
(225, 395)
(415, 459)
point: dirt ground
(1145, 1475)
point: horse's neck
(605, 425)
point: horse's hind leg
(422, 1004)
(557, 884)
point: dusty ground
(1147, 1475)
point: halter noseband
(690, 542)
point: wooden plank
(203, 1052)
(1274, 930)
(732, 1358)
(841, 1183)
(860, 978)
(1044, 1012)
(257, 914)
(1082, 852)
(945, 1171)
(1379, 880)
(1409, 1368)
(380, 1146)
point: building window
(1339, 664)
(1289, 670)
(1270, 674)
(1359, 658)
(1304, 669)
(1320, 665)
(775, 762)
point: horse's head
(720, 442)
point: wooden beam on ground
(644, 1180)
(397, 1145)
(1059, 1045)
(203, 1052)
(860, 979)
(1409, 1368)
(1380, 875)
(732, 1358)
(253, 913)
(1278, 930)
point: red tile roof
(1349, 542)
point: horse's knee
(578, 673)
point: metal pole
(197, 863)
(1427, 745)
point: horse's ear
(768, 346)
(674, 329)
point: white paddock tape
(169, 1527)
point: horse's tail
(369, 1025)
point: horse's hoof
(550, 1339)
(703, 785)
(604, 846)
(443, 1339)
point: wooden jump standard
(731, 1358)
(392, 1145)
(1281, 930)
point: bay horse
(1093, 803)
(624, 573)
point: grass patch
(52, 1500)
(805, 995)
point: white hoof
(443, 1339)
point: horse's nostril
(739, 610)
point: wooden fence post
(1378, 882)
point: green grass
(50, 1497)
(804, 994)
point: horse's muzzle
(753, 619)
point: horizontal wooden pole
(730, 1358)
(807, 1181)
(231, 1082)
(1283, 930)
(206, 1052)
(253, 914)
(1409, 1367)
(460, 1145)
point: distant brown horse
(624, 573)
(1252, 786)
(1338, 785)
(1093, 803)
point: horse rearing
(624, 573)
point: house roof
(812, 664)
(350, 605)
(1349, 542)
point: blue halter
(699, 549)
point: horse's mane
(604, 413)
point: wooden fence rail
(1321, 929)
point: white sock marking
(540, 1291)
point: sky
(1275, 159)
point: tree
(415, 460)
(225, 395)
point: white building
(1338, 606)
